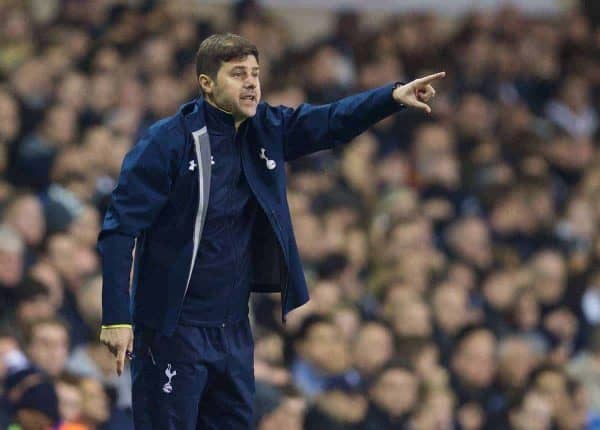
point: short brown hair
(220, 48)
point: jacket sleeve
(141, 192)
(311, 128)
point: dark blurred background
(452, 258)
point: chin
(248, 112)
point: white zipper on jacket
(198, 223)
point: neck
(236, 119)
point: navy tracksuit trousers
(200, 378)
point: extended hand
(417, 92)
(119, 341)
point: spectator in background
(70, 398)
(532, 411)
(373, 347)
(322, 354)
(47, 345)
(394, 394)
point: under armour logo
(192, 165)
(271, 164)
(212, 160)
(168, 388)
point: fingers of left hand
(430, 78)
(425, 93)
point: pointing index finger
(431, 78)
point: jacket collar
(193, 114)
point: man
(202, 197)
(393, 395)
(47, 345)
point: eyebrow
(255, 68)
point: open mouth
(249, 97)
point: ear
(206, 84)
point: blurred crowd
(452, 258)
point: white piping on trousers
(198, 222)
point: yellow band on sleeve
(117, 326)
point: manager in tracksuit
(202, 199)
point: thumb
(421, 105)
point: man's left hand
(418, 92)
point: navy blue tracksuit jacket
(160, 203)
(219, 288)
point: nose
(250, 82)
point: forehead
(396, 376)
(249, 62)
(49, 329)
(322, 329)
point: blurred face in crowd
(462, 275)
(60, 125)
(450, 307)
(49, 347)
(269, 348)
(470, 239)
(474, 362)
(34, 308)
(408, 237)
(45, 273)
(326, 68)
(412, 319)
(440, 405)
(71, 91)
(72, 260)
(325, 347)
(435, 161)
(85, 228)
(158, 55)
(553, 383)
(580, 219)
(236, 88)
(31, 419)
(70, 401)
(357, 161)
(326, 295)
(166, 94)
(103, 88)
(348, 321)
(96, 408)
(526, 314)
(26, 216)
(473, 117)
(516, 360)
(395, 391)
(549, 276)
(373, 348)
(31, 80)
(575, 93)
(534, 414)
(499, 290)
